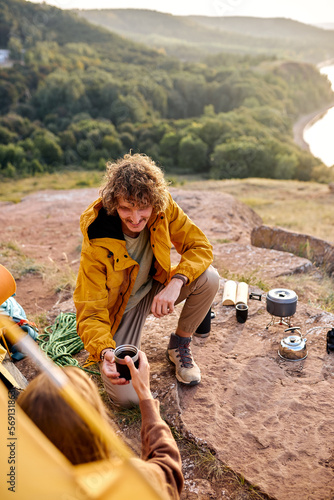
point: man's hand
(163, 302)
(140, 377)
(110, 371)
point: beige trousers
(198, 297)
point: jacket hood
(95, 223)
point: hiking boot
(179, 353)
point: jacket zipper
(166, 281)
(122, 298)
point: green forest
(77, 95)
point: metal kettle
(293, 347)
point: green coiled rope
(61, 340)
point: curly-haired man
(126, 273)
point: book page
(242, 293)
(229, 294)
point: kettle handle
(255, 296)
(293, 328)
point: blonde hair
(44, 405)
(136, 179)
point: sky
(306, 11)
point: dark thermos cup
(241, 312)
(120, 353)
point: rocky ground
(255, 415)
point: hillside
(76, 96)
(30, 23)
(266, 27)
(192, 37)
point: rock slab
(318, 251)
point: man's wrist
(181, 277)
(104, 351)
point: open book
(235, 293)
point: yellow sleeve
(191, 243)
(91, 302)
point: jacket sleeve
(190, 242)
(91, 302)
(159, 451)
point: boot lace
(185, 355)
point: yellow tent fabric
(3, 370)
(33, 468)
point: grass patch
(250, 278)
(220, 240)
(61, 278)
(257, 203)
(304, 207)
(16, 261)
(40, 320)
(328, 302)
(14, 191)
(128, 416)
(316, 288)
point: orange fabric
(7, 284)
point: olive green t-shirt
(140, 250)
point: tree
(51, 152)
(85, 148)
(169, 145)
(305, 165)
(15, 48)
(9, 171)
(35, 167)
(241, 158)
(113, 145)
(11, 154)
(192, 154)
(211, 130)
(60, 90)
(286, 165)
(8, 95)
(227, 163)
(6, 135)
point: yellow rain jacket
(107, 273)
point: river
(319, 133)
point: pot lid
(293, 342)
(282, 296)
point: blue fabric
(13, 309)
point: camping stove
(286, 321)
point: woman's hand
(140, 377)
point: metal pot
(281, 302)
(293, 347)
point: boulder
(320, 252)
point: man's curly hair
(136, 179)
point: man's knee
(121, 395)
(210, 280)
